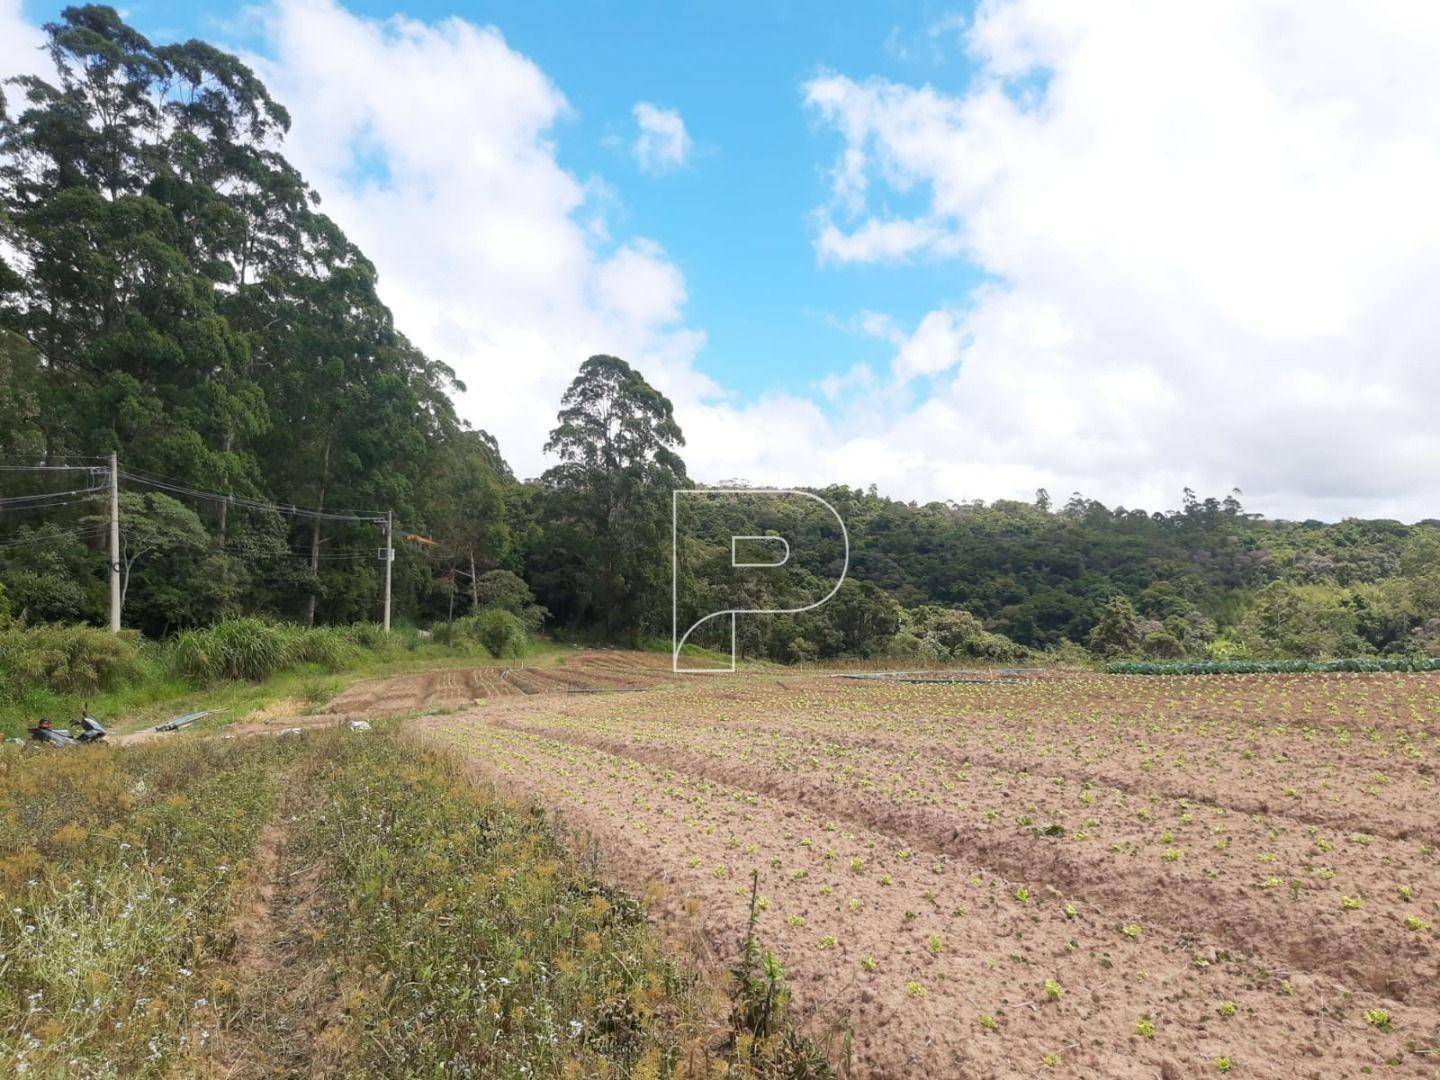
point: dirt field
(585, 672)
(588, 671)
(1083, 875)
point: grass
(117, 875)
(459, 930)
(440, 929)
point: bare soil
(932, 853)
(586, 672)
(278, 1008)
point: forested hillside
(171, 291)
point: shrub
(955, 634)
(1162, 646)
(1118, 632)
(508, 592)
(499, 631)
(367, 635)
(67, 659)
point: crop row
(1271, 667)
(935, 953)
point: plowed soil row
(593, 670)
(1194, 894)
(914, 889)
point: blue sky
(958, 251)
(737, 218)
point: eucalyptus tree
(604, 561)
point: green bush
(67, 660)
(367, 635)
(1162, 646)
(508, 592)
(500, 632)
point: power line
(45, 506)
(112, 473)
(287, 509)
(53, 538)
(295, 553)
(41, 498)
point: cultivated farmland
(1098, 874)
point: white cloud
(1212, 243)
(21, 51)
(934, 347)
(432, 144)
(663, 143)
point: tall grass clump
(67, 660)
(250, 649)
(330, 647)
(255, 649)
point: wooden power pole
(114, 544)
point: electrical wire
(295, 553)
(5, 511)
(20, 501)
(287, 509)
(151, 477)
(52, 538)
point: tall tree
(605, 560)
(170, 289)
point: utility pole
(114, 544)
(389, 560)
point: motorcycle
(90, 730)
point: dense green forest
(171, 291)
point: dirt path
(278, 1007)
